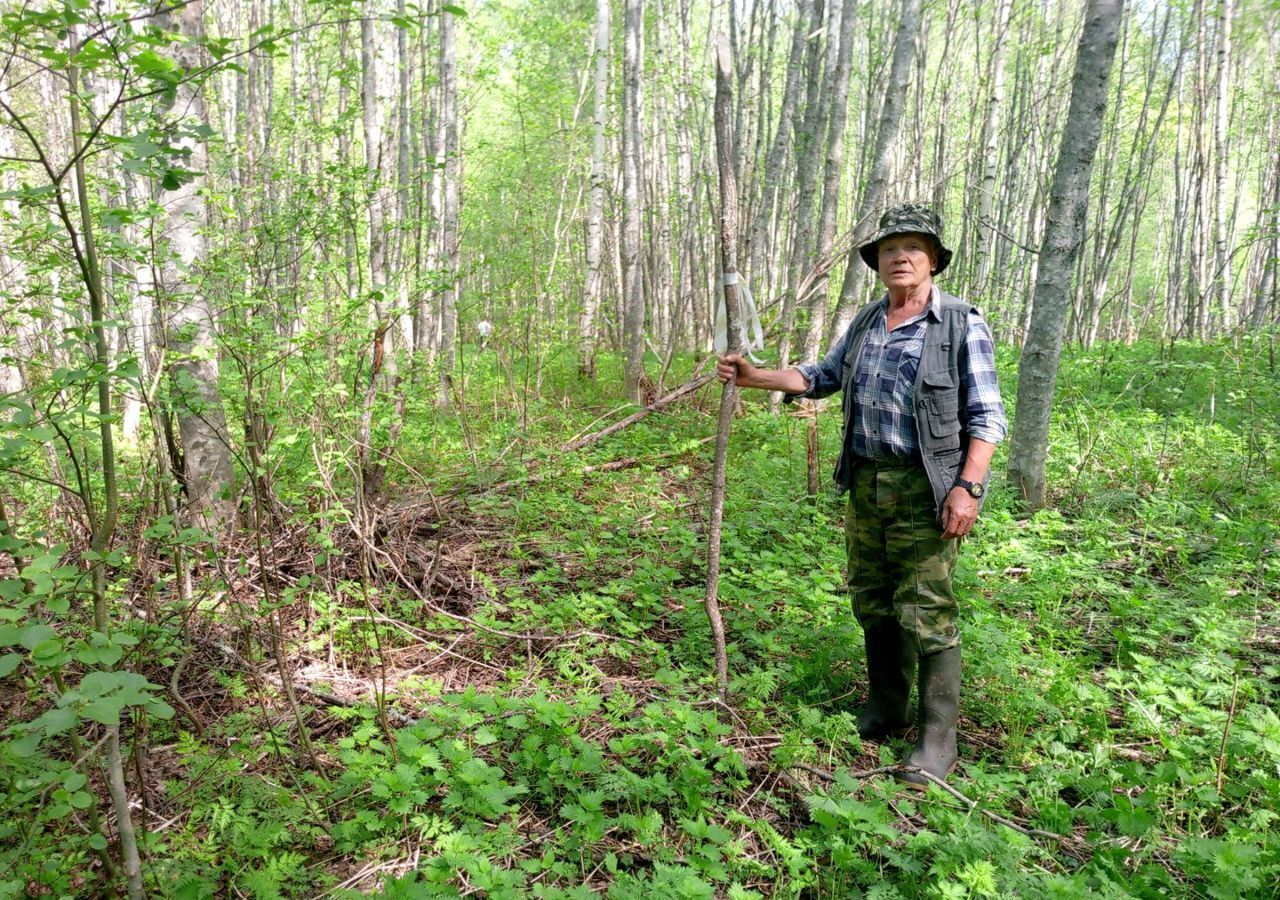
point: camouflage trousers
(900, 568)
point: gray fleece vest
(939, 394)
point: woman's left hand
(959, 512)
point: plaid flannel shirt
(883, 422)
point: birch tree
(188, 319)
(809, 143)
(631, 237)
(1221, 283)
(762, 241)
(450, 206)
(593, 279)
(895, 95)
(815, 300)
(990, 147)
(1038, 366)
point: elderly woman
(922, 416)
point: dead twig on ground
(684, 390)
(1062, 839)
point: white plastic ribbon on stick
(751, 334)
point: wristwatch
(975, 488)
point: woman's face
(906, 261)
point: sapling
(729, 395)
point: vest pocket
(939, 377)
(944, 415)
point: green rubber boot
(891, 667)
(935, 750)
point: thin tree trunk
(991, 151)
(808, 154)
(593, 283)
(631, 238)
(689, 189)
(372, 469)
(729, 395)
(1267, 300)
(1038, 367)
(1221, 278)
(188, 317)
(432, 131)
(450, 208)
(895, 95)
(763, 238)
(13, 270)
(815, 303)
(103, 520)
(404, 158)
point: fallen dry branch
(616, 465)
(406, 581)
(1062, 839)
(274, 680)
(684, 390)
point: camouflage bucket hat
(909, 218)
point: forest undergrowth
(505, 674)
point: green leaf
(48, 654)
(176, 178)
(55, 721)
(96, 684)
(34, 635)
(1135, 823)
(159, 709)
(8, 663)
(151, 64)
(100, 655)
(26, 745)
(104, 710)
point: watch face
(977, 489)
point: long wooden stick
(729, 396)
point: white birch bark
(13, 270)
(991, 148)
(404, 159)
(688, 189)
(816, 301)
(381, 360)
(631, 237)
(762, 240)
(895, 96)
(1220, 284)
(427, 336)
(808, 154)
(188, 316)
(1038, 367)
(592, 287)
(450, 205)
(1266, 303)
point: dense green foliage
(491, 673)
(1120, 680)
